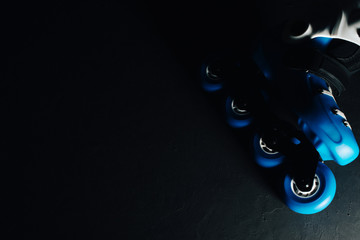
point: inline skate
(285, 92)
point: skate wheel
(210, 80)
(237, 116)
(264, 156)
(318, 198)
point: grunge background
(107, 134)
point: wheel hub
(302, 194)
(265, 148)
(213, 73)
(239, 109)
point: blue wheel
(317, 199)
(237, 116)
(210, 79)
(265, 156)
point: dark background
(107, 134)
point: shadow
(193, 31)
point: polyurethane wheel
(237, 116)
(317, 199)
(211, 81)
(265, 156)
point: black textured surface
(115, 139)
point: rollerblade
(289, 105)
